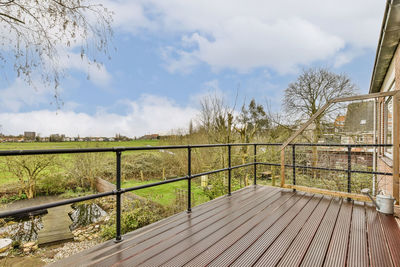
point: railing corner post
(283, 167)
(118, 237)
(294, 165)
(255, 164)
(229, 170)
(348, 170)
(189, 196)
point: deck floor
(258, 226)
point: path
(56, 226)
(55, 223)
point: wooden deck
(258, 226)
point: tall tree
(310, 92)
(32, 33)
(251, 121)
(216, 118)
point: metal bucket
(385, 204)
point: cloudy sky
(170, 53)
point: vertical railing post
(294, 164)
(229, 171)
(255, 164)
(118, 237)
(283, 167)
(189, 203)
(348, 170)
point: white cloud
(242, 35)
(19, 95)
(345, 57)
(149, 114)
(209, 89)
(97, 73)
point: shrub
(151, 165)
(54, 184)
(142, 214)
(85, 168)
(5, 200)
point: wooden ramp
(55, 223)
(56, 226)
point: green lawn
(165, 194)
(6, 178)
(60, 145)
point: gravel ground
(66, 250)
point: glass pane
(389, 125)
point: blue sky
(169, 54)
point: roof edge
(379, 48)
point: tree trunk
(314, 161)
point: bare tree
(28, 170)
(217, 119)
(86, 168)
(33, 32)
(251, 121)
(310, 92)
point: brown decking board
(109, 248)
(136, 255)
(196, 233)
(211, 250)
(378, 251)
(257, 249)
(358, 250)
(392, 234)
(337, 251)
(258, 226)
(317, 250)
(274, 253)
(295, 253)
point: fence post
(294, 164)
(348, 170)
(283, 167)
(255, 164)
(189, 203)
(396, 144)
(229, 171)
(118, 237)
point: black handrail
(349, 170)
(120, 191)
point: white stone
(5, 243)
(29, 244)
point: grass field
(165, 194)
(60, 145)
(6, 178)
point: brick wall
(384, 182)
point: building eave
(387, 45)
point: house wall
(384, 163)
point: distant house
(57, 137)
(358, 125)
(339, 123)
(150, 137)
(29, 136)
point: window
(388, 126)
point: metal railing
(118, 192)
(349, 170)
